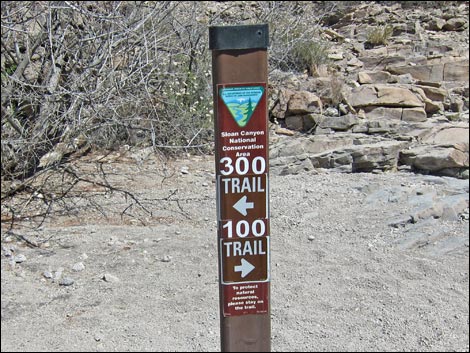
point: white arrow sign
(245, 268)
(241, 206)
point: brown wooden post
(240, 75)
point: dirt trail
(349, 270)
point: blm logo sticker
(241, 102)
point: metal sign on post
(240, 72)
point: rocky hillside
(393, 95)
(353, 87)
(362, 86)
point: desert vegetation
(79, 77)
(83, 76)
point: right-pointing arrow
(241, 206)
(245, 268)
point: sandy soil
(349, 271)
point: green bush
(379, 35)
(309, 55)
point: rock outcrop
(403, 104)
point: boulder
(393, 96)
(434, 93)
(450, 71)
(303, 102)
(456, 71)
(383, 113)
(414, 114)
(427, 72)
(383, 156)
(339, 123)
(303, 123)
(383, 95)
(449, 135)
(368, 77)
(281, 99)
(375, 156)
(455, 24)
(433, 158)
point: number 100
(243, 228)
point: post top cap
(238, 37)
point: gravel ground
(359, 262)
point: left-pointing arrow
(242, 206)
(245, 268)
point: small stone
(336, 56)
(107, 277)
(58, 274)
(47, 274)
(9, 239)
(166, 258)
(79, 266)
(66, 281)
(311, 237)
(6, 251)
(20, 258)
(331, 111)
(284, 131)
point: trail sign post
(239, 71)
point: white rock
(166, 258)
(79, 266)
(107, 277)
(66, 281)
(20, 258)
